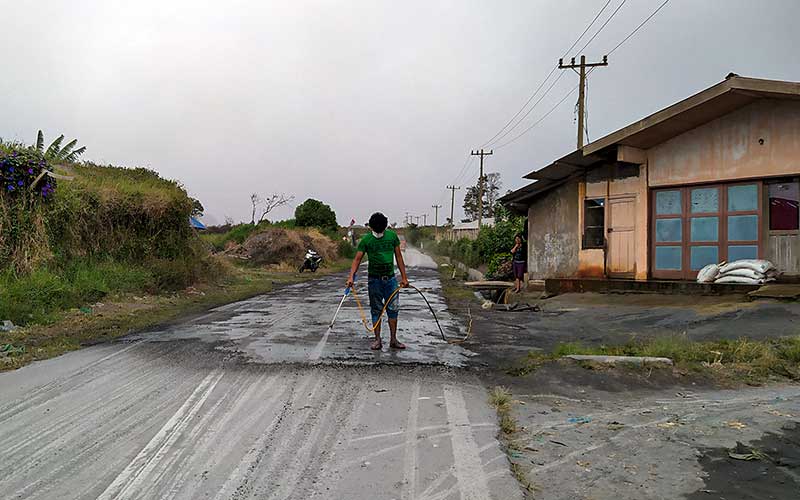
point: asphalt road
(258, 400)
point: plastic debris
(579, 420)
(7, 326)
(735, 424)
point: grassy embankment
(104, 254)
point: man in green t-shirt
(382, 246)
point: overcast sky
(368, 105)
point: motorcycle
(312, 261)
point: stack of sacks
(747, 272)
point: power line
(540, 120)
(656, 11)
(531, 109)
(638, 27)
(495, 138)
(603, 26)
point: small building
(712, 178)
(467, 230)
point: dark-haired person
(518, 262)
(382, 246)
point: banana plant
(55, 152)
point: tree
(267, 205)
(491, 189)
(314, 213)
(197, 208)
(55, 152)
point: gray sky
(369, 105)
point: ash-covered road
(253, 400)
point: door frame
(610, 200)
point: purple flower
(10, 187)
(19, 183)
(10, 169)
(30, 171)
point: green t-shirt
(380, 252)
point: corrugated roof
(732, 93)
(549, 177)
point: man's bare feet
(397, 345)
(376, 346)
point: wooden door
(621, 258)
(783, 240)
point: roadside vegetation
(86, 250)
(488, 252)
(751, 361)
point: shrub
(346, 249)
(314, 213)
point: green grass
(39, 297)
(753, 360)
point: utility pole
(581, 89)
(424, 220)
(436, 220)
(452, 202)
(481, 153)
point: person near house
(518, 259)
(382, 247)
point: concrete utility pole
(452, 202)
(436, 220)
(481, 179)
(581, 89)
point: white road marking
(249, 462)
(136, 472)
(410, 460)
(469, 472)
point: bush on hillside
(314, 213)
(24, 192)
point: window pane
(739, 252)
(705, 228)
(783, 206)
(705, 200)
(668, 203)
(742, 227)
(743, 198)
(594, 216)
(668, 258)
(703, 256)
(593, 238)
(668, 230)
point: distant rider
(382, 247)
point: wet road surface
(253, 401)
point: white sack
(761, 266)
(739, 280)
(708, 274)
(744, 273)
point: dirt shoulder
(121, 315)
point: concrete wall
(553, 234)
(730, 148)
